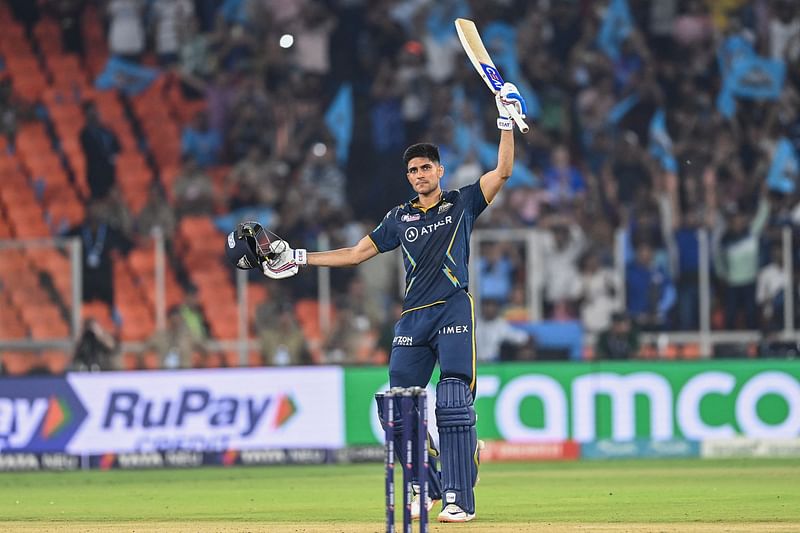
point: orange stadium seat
(56, 361)
(210, 360)
(230, 359)
(255, 359)
(50, 327)
(31, 230)
(151, 361)
(691, 350)
(142, 260)
(18, 363)
(138, 329)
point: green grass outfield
(635, 495)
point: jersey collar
(416, 205)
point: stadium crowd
(647, 119)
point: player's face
(424, 175)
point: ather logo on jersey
(413, 232)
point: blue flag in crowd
(783, 171)
(731, 49)
(745, 74)
(126, 76)
(621, 108)
(339, 120)
(616, 26)
(441, 15)
(661, 142)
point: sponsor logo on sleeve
(231, 240)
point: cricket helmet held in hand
(247, 246)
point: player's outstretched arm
(345, 257)
(493, 181)
(285, 261)
(250, 246)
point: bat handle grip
(523, 127)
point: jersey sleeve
(474, 200)
(385, 236)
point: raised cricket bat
(473, 46)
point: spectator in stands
(194, 191)
(196, 60)
(312, 39)
(253, 181)
(680, 228)
(496, 271)
(321, 179)
(98, 239)
(116, 213)
(563, 182)
(126, 36)
(345, 344)
(95, 349)
(770, 291)
(26, 12)
(282, 340)
(416, 90)
(517, 309)
(562, 246)
(784, 31)
(496, 339)
(363, 306)
(626, 173)
(69, 14)
(170, 17)
(201, 142)
(100, 148)
(175, 345)
(156, 213)
(649, 291)
(619, 341)
(736, 261)
(192, 315)
(599, 294)
(13, 109)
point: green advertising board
(619, 401)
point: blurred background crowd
(653, 120)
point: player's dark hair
(431, 151)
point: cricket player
(438, 319)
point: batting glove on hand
(282, 261)
(509, 97)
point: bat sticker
(493, 75)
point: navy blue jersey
(435, 243)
